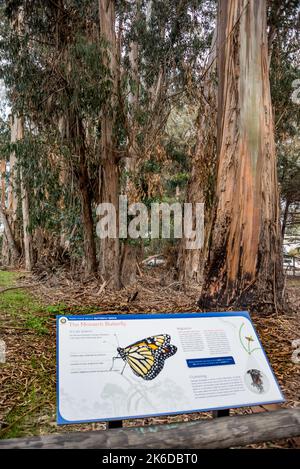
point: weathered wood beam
(226, 432)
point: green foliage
(178, 154)
(41, 175)
(284, 66)
(62, 76)
(289, 169)
(58, 309)
(179, 180)
(88, 77)
(151, 166)
(19, 304)
(4, 139)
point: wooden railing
(225, 432)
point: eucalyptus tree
(284, 36)
(72, 72)
(55, 71)
(154, 45)
(244, 264)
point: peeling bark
(244, 266)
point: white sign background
(89, 388)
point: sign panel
(130, 366)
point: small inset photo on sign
(256, 381)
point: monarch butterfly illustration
(147, 357)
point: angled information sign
(130, 366)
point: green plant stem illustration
(249, 340)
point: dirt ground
(27, 325)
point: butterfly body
(147, 357)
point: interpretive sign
(130, 366)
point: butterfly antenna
(118, 356)
(117, 340)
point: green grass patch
(19, 305)
(34, 406)
(61, 309)
(37, 323)
(7, 279)
(18, 302)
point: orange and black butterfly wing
(147, 357)
(139, 357)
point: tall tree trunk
(129, 252)
(244, 265)
(27, 240)
(109, 172)
(203, 166)
(5, 249)
(109, 192)
(10, 251)
(12, 198)
(78, 136)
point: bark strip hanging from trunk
(244, 265)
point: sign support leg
(115, 424)
(220, 413)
